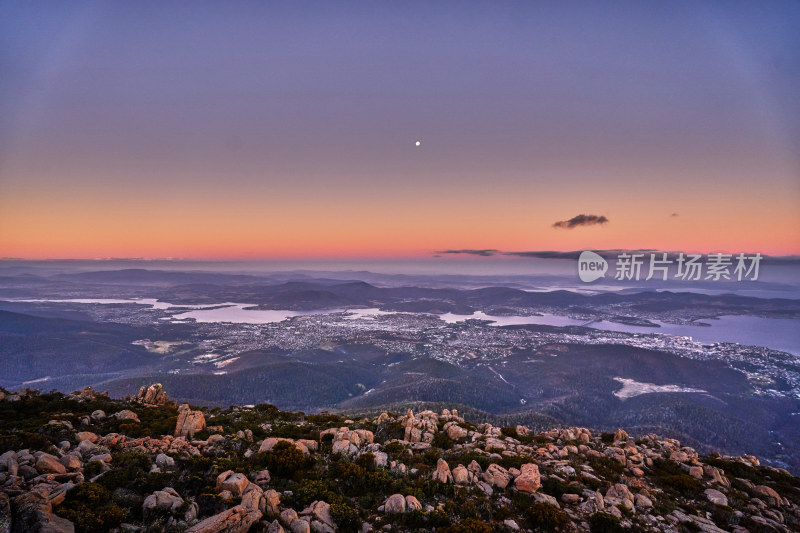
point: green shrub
(394, 449)
(92, 469)
(286, 459)
(431, 457)
(90, 508)
(509, 431)
(346, 518)
(312, 490)
(470, 525)
(472, 455)
(129, 470)
(555, 487)
(546, 517)
(366, 461)
(210, 504)
(671, 476)
(515, 461)
(605, 523)
(442, 440)
(606, 468)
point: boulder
(71, 462)
(272, 503)
(529, 479)
(497, 476)
(167, 500)
(233, 482)
(50, 464)
(344, 447)
(454, 431)
(253, 498)
(33, 513)
(619, 494)
(442, 473)
(460, 475)
(287, 516)
(87, 435)
(262, 478)
(237, 519)
(570, 499)
(642, 502)
(165, 462)
(300, 526)
(716, 497)
(412, 504)
(126, 414)
(275, 527)
(764, 492)
(189, 422)
(319, 511)
(153, 395)
(396, 503)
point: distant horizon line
(438, 254)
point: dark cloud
(546, 254)
(674, 214)
(484, 253)
(580, 220)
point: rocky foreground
(84, 462)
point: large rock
(319, 511)
(287, 516)
(237, 519)
(126, 414)
(233, 482)
(70, 462)
(189, 422)
(461, 475)
(395, 504)
(165, 463)
(275, 527)
(152, 395)
(87, 435)
(454, 431)
(529, 479)
(49, 464)
(34, 514)
(768, 494)
(272, 502)
(442, 473)
(262, 478)
(167, 500)
(253, 498)
(299, 526)
(619, 494)
(716, 497)
(412, 504)
(497, 476)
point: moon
(418, 143)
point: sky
(289, 129)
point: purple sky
(618, 109)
